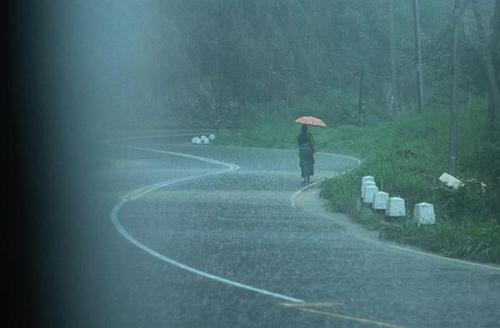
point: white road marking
(294, 196)
(109, 141)
(230, 167)
(144, 190)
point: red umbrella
(311, 120)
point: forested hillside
(355, 60)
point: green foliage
(468, 241)
(468, 223)
(341, 107)
(463, 229)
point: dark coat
(306, 154)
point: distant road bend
(211, 239)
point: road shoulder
(310, 201)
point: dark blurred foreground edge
(40, 193)
(21, 290)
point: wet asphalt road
(239, 225)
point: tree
(420, 87)
(488, 51)
(280, 51)
(392, 50)
(453, 138)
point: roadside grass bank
(406, 156)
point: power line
(431, 47)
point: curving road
(206, 236)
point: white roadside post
(424, 213)
(395, 207)
(450, 181)
(380, 200)
(366, 184)
(364, 180)
(369, 193)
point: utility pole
(361, 93)
(392, 100)
(288, 57)
(420, 89)
(288, 88)
(453, 137)
(217, 87)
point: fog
(158, 173)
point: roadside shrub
(469, 201)
(341, 107)
(478, 242)
(340, 192)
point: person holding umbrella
(307, 146)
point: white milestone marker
(366, 179)
(424, 213)
(450, 181)
(380, 200)
(370, 191)
(395, 207)
(365, 185)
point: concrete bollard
(366, 179)
(211, 137)
(450, 181)
(424, 213)
(368, 194)
(380, 200)
(366, 184)
(395, 207)
(196, 141)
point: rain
(252, 163)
